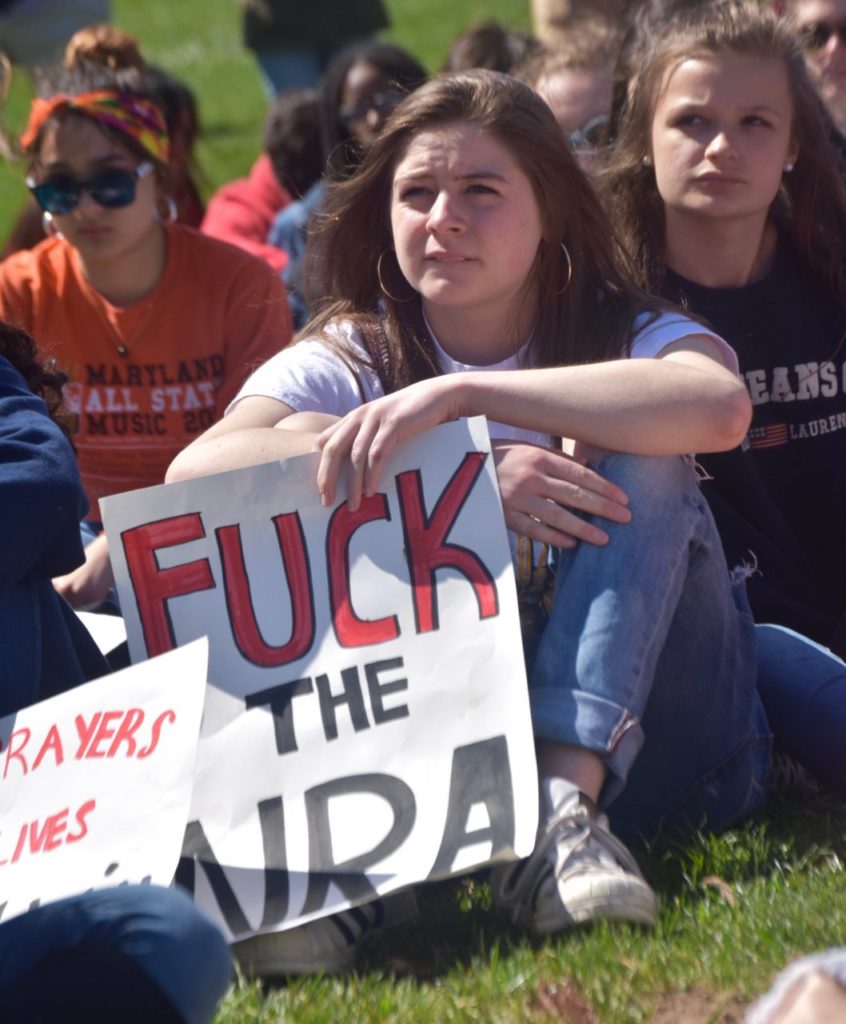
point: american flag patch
(769, 437)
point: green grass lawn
(200, 41)
(735, 909)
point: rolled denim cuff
(585, 720)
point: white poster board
(107, 631)
(95, 783)
(367, 724)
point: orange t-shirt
(215, 314)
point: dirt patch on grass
(563, 1003)
(698, 1008)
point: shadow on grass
(792, 834)
(457, 927)
(457, 924)
(457, 930)
(221, 130)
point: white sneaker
(578, 872)
(328, 945)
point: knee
(658, 489)
(187, 926)
(648, 475)
(163, 929)
(192, 963)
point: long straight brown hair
(589, 319)
(811, 204)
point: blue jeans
(130, 953)
(296, 68)
(803, 687)
(289, 232)
(649, 660)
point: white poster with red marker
(95, 784)
(367, 722)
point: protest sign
(107, 631)
(95, 783)
(367, 723)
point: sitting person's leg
(803, 688)
(129, 953)
(328, 945)
(643, 684)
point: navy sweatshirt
(44, 649)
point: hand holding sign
(368, 435)
(368, 723)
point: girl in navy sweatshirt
(44, 648)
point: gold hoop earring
(566, 252)
(171, 213)
(382, 287)
(560, 291)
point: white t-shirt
(309, 376)
(312, 377)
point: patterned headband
(126, 112)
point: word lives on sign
(367, 722)
(96, 783)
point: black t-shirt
(780, 500)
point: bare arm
(684, 401)
(88, 585)
(257, 430)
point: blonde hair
(585, 43)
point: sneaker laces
(582, 830)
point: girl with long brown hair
(469, 269)
(729, 194)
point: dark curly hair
(44, 379)
(342, 154)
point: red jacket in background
(242, 211)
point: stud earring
(788, 167)
(647, 160)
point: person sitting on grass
(156, 325)
(361, 87)
(727, 189)
(575, 79)
(468, 268)
(45, 647)
(133, 953)
(242, 212)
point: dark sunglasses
(816, 34)
(590, 135)
(113, 187)
(381, 102)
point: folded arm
(248, 436)
(684, 401)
